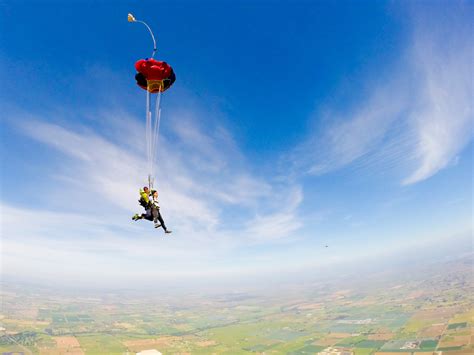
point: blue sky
(291, 126)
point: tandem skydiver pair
(149, 201)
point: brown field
(437, 313)
(341, 335)
(415, 294)
(206, 343)
(391, 353)
(433, 331)
(66, 342)
(65, 345)
(342, 292)
(138, 345)
(29, 313)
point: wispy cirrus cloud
(443, 120)
(417, 121)
(346, 137)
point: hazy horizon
(409, 257)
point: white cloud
(279, 224)
(418, 120)
(444, 121)
(37, 241)
(349, 136)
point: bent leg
(148, 215)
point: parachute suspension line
(149, 139)
(156, 129)
(131, 18)
(148, 132)
(150, 182)
(152, 134)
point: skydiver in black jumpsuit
(155, 211)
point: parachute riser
(151, 180)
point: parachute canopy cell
(153, 75)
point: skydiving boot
(136, 217)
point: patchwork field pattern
(421, 313)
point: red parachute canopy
(154, 75)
